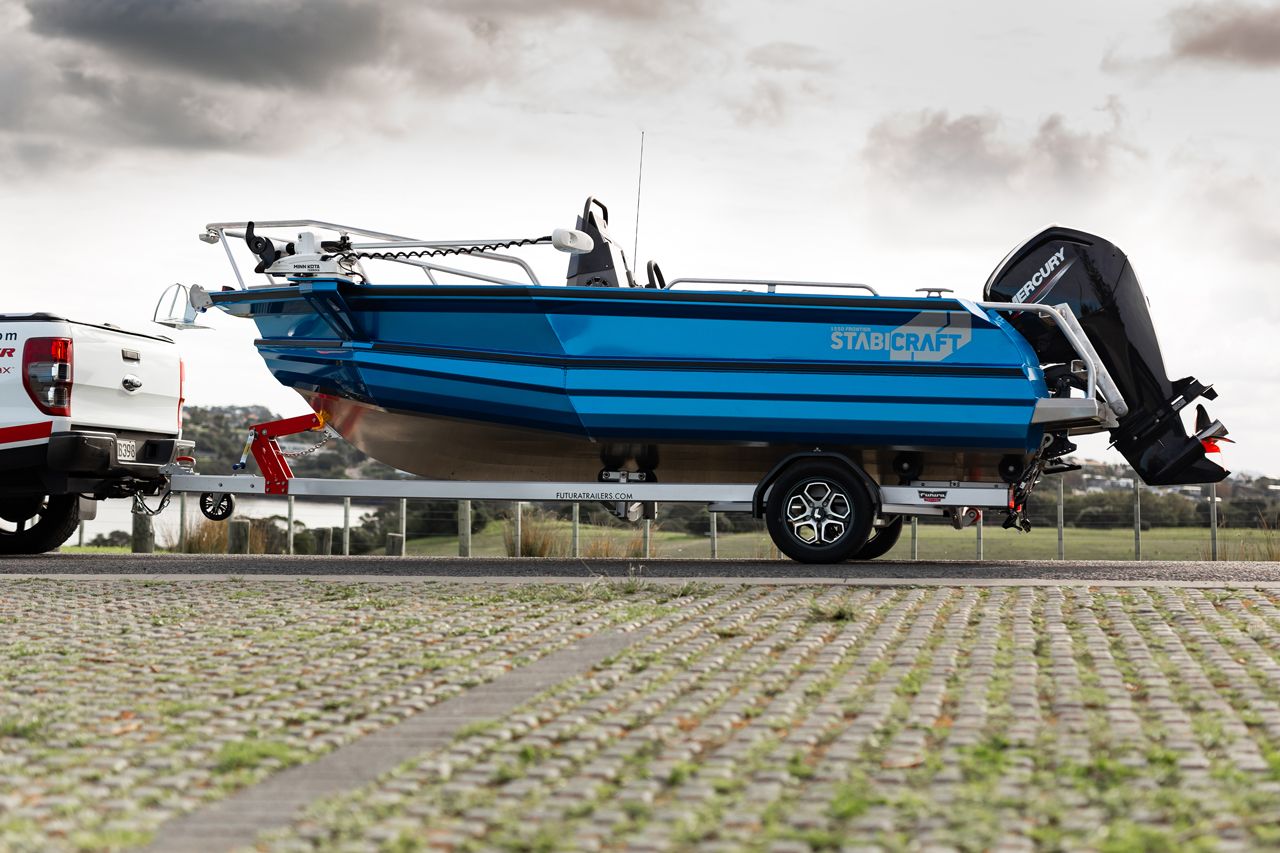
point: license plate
(126, 450)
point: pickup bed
(86, 412)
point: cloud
(1240, 205)
(287, 45)
(1229, 33)
(1225, 33)
(789, 56)
(932, 150)
(91, 77)
(783, 76)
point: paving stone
(741, 706)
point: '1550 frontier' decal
(929, 336)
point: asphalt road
(783, 570)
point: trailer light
(47, 374)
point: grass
(1162, 543)
(937, 542)
(248, 754)
(24, 728)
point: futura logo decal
(928, 336)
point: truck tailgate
(125, 381)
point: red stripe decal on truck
(25, 432)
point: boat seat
(656, 280)
(606, 264)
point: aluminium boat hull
(491, 381)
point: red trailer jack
(262, 442)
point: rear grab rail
(1096, 375)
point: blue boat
(473, 375)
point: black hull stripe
(889, 368)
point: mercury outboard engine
(1095, 279)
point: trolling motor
(1095, 279)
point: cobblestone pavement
(127, 702)
(777, 718)
(1223, 572)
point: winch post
(266, 449)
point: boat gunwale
(293, 292)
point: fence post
(324, 540)
(346, 527)
(182, 523)
(915, 538)
(464, 528)
(404, 520)
(289, 534)
(648, 537)
(238, 536)
(395, 545)
(143, 540)
(1137, 518)
(1062, 542)
(81, 541)
(1213, 521)
(715, 541)
(519, 549)
(978, 525)
(577, 530)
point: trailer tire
(881, 541)
(818, 512)
(56, 518)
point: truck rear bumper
(87, 462)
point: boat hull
(491, 381)
(441, 448)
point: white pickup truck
(87, 412)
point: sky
(903, 145)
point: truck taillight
(182, 386)
(46, 374)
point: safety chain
(294, 454)
(140, 505)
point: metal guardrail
(339, 538)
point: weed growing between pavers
(127, 702)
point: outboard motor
(1094, 278)
(605, 265)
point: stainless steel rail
(1096, 375)
(771, 284)
(219, 231)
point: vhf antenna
(635, 247)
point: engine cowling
(1095, 279)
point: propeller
(1210, 432)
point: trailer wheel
(818, 512)
(882, 540)
(36, 525)
(217, 506)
